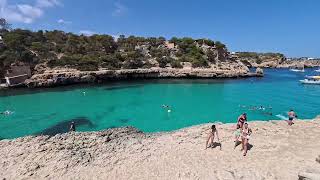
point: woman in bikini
(212, 132)
(242, 119)
(292, 115)
(245, 136)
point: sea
(157, 105)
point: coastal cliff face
(272, 60)
(54, 77)
(59, 58)
(127, 153)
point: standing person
(237, 134)
(212, 132)
(245, 136)
(72, 127)
(242, 119)
(291, 115)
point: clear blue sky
(288, 26)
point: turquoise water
(138, 103)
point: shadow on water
(24, 91)
(63, 127)
(114, 85)
(122, 87)
(109, 110)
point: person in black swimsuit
(72, 127)
(242, 119)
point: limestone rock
(88, 78)
(64, 76)
(259, 71)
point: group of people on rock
(242, 132)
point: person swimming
(165, 106)
(7, 113)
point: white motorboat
(318, 70)
(297, 70)
(311, 80)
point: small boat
(317, 70)
(311, 80)
(297, 70)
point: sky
(291, 27)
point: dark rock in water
(1, 138)
(64, 126)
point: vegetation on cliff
(258, 58)
(58, 48)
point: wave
(282, 117)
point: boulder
(259, 71)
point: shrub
(176, 64)
(163, 61)
(199, 62)
(258, 60)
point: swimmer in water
(262, 108)
(164, 106)
(7, 112)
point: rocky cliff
(58, 76)
(272, 60)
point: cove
(138, 103)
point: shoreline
(127, 153)
(65, 76)
(219, 123)
(62, 77)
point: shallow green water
(138, 103)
